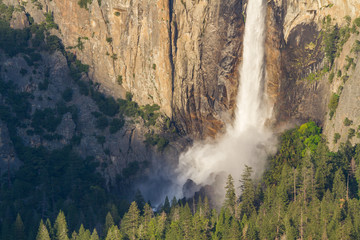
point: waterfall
(247, 141)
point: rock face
(181, 55)
(184, 55)
(299, 23)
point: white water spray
(247, 141)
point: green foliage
(116, 124)
(351, 133)
(337, 136)
(356, 46)
(117, 14)
(334, 101)
(119, 80)
(331, 77)
(350, 62)
(13, 41)
(150, 114)
(156, 140)
(61, 227)
(43, 233)
(106, 105)
(357, 21)
(230, 197)
(338, 73)
(46, 119)
(84, 3)
(109, 39)
(347, 122)
(50, 23)
(330, 39)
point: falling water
(247, 141)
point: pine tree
(130, 222)
(139, 199)
(114, 234)
(61, 227)
(230, 197)
(43, 233)
(166, 207)
(248, 192)
(94, 235)
(50, 229)
(19, 231)
(148, 215)
(109, 222)
(186, 221)
(339, 186)
(83, 234)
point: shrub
(50, 23)
(46, 119)
(119, 80)
(106, 105)
(350, 61)
(128, 96)
(84, 3)
(356, 47)
(117, 14)
(116, 124)
(351, 133)
(337, 136)
(347, 122)
(155, 139)
(357, 21)
(334, 101)
(331, 77)
(109, 39)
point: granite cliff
(184, 56)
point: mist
(247, 141)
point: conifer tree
(19, 231)
(148, 215)
(130, 222)
(50, 229)
(166, 207)
(114, 233)
(339, 186)
(160, 225)
(174, 202)
(94, 235)
(139, 199)
(43, 233)
(61, 228)
(248, 192)
(230, 197)
(109, 222)
(83, 234)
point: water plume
(247, 141)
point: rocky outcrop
(181, 55)
(184, 55)
(300, 98)
(206, 49)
